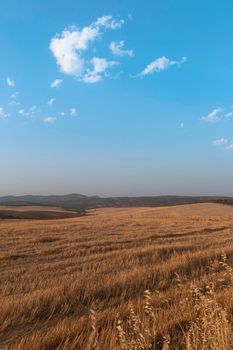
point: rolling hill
(82, 202)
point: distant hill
(82, 202)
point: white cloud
(117, 48)
(22, 112)
(182, 125)
(29, 113)
(99, 67)
(229, 147)
(161, 64)
(109, 22)
(62, 114)
(51, 101)
(14, 95)
(221, 142)
(224, 143)
(56, 83)
(49, 120)
(73, 112)
(229, 115)
(69, 46)
(14, 103)
(3, 114)
(33, 109)
(214, 116)
(10, 82)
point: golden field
(137, 278)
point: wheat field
(129, 278)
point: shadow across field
(36, 212)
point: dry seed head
(148, 308)
(93, 339)
(92, 316)
(166, 342)
(121, 338)
(178, 280)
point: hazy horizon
(116, 98)
(114, 195)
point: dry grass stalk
(209, 329)
(93, 339)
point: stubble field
(137, 278)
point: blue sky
(116, 97)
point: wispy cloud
(117, 48)
(73, 112)
(3, 114)
(29, 113)
(214, 116)
(51, 101)
(182, 125)
(229, 115)
(69, 46)
(220, 142)
(161, 64)
(108, 22)
(98, 70)
(49, 120)
(14, 103)
(10, 82)
(224, 143)
(14, 95)
(56, 83)
(13, 99)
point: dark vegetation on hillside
(82, 202)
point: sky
(114, 97)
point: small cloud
(229, 147)
(29, 113)
(3, 114)
(117, 48)
(73, 112)
(56, 83)
(221, 142)
(14, 103)
(160, 64)
(99, 67)
(224, 143)
(62, 114)
(229, 115)
(33, 109)
(214, 116)
(49, 120)
(109, 22)
(182, 125)
(10, 82)
(22, 111)
(130, 17)
(14, 95)
(51, 101)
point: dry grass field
(138, 278)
